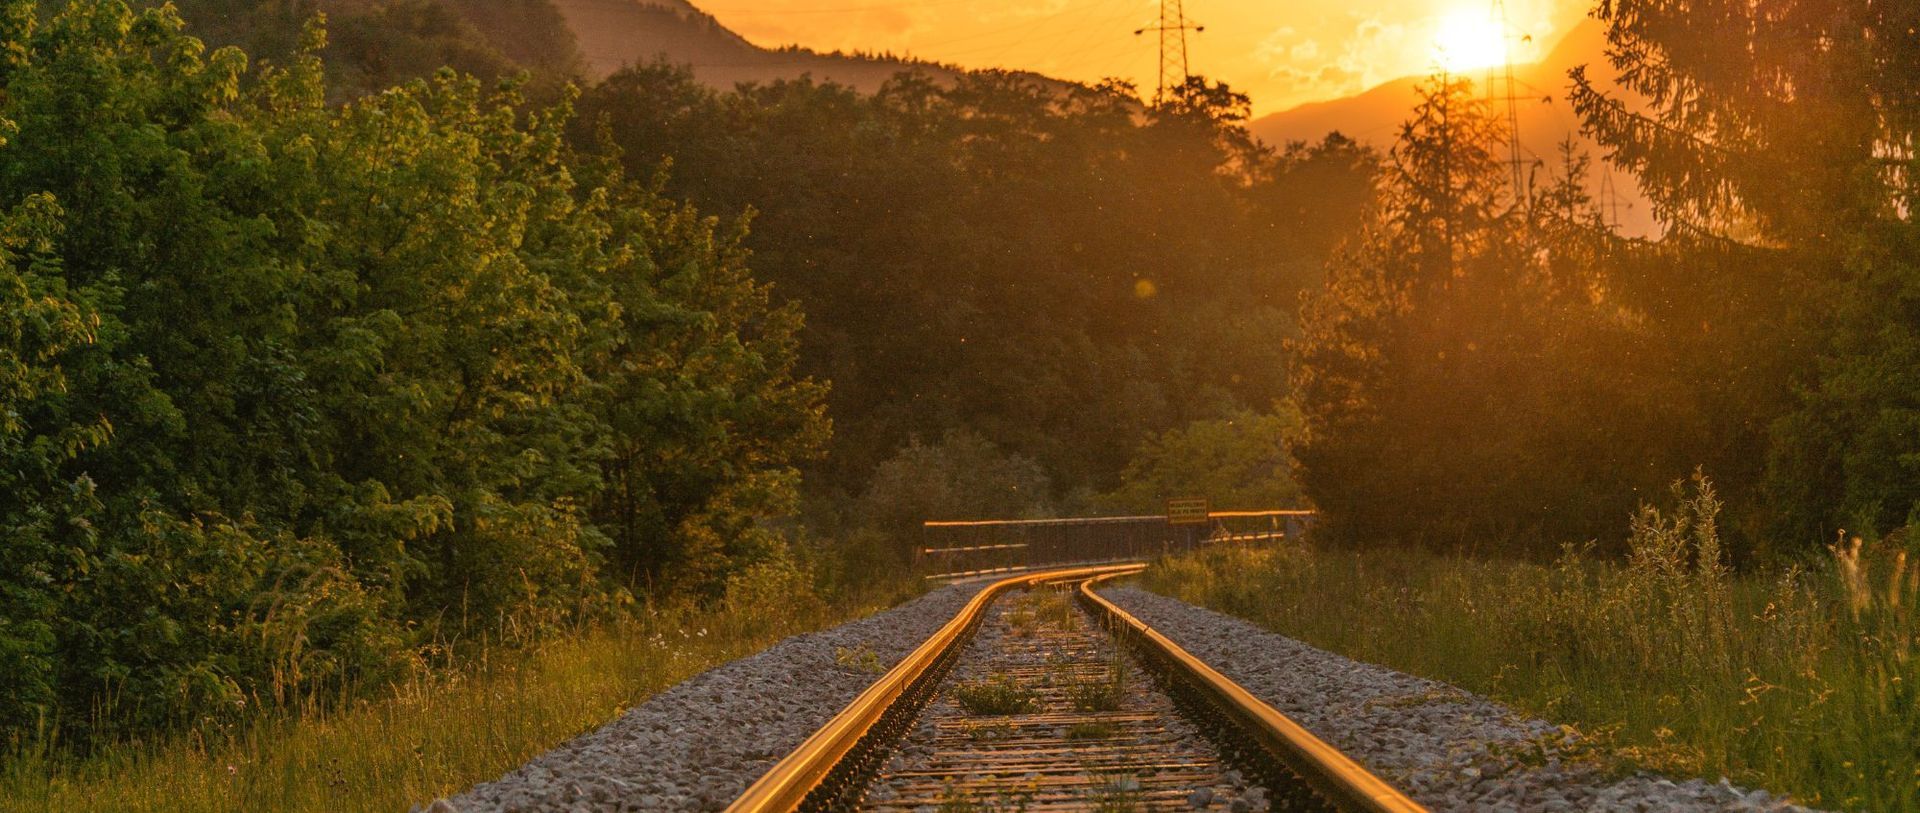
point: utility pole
(1173, 28)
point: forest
(306, 384)
(334, 342)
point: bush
(961, 477)
(770, 593)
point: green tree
(1388, 345)
(42, 514)
(962, 477)
(288, 389)
(1778, 144)
(1238, 463)
(1464, 374)
(1041, 265)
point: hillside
(613, 33)
(1546, 119)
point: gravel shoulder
(1448, 749)
(698, 745)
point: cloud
(1340, 54)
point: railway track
(1039, 696)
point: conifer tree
(1445, 371)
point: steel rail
(788, 783)
(1331, 773)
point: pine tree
(1384, 344)
(1452, 372)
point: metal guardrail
(951, 549)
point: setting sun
(1468, 39)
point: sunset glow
(1283, 55)
(1468, 39)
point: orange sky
(1283, 53)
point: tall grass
(1803, 682)
(433, 735)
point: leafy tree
(42, 327)
(1778, 145)
(1054, 269)
(962, 477)
(1239, 462)
(709, 419)
(288, 389)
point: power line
(1095, 39)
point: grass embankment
(1799, 682)
(430, 737)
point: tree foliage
(1451, 369)
(1055, 270)
(1780, 146)
(376, 44)
(962, 477)
(1239, 462)
(288, 389)
(1473, 374)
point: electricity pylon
(1508, 91)
(1173, 28)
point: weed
(1104, 693)
(955, 800)
(958, 801)
(1055, 608)
(988, 732)
(1022, 622)
(861, 658)
(1118, 794)
(998, 694)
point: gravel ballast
(1438, 744)
(699, 744)
(1000, 758)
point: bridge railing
(966, 548)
